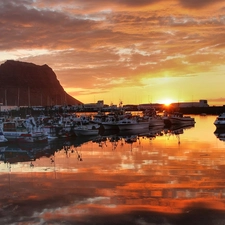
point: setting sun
(166, 102)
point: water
(167, 179)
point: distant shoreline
(22, 112)
(211, 110)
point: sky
(146, 51)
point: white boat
(112, 119)
(153, 118)
(110, 123)
(33, 137)
(133, 123)
(178, 119)
(14, 133)
(99, 118)
(220, 121)
(87, 130)
(52, 131)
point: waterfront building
(200, 103)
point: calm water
(173, 178)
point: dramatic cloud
(199, 3)
(102, 46)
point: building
(94, 106)
(201, 103)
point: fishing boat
(87, 130)
(153, 118)
(37, 137)
(132, 123)
(178, 118)
(15, 133)
(110, 123)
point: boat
(87, 130)
(53, 131)
(220, 121)
(3, 139)
(132, 123)
(110, 123)
(16, 133)
(178, 118)
(112, 119)
(99, 118)
(153, 118)
(33, 137)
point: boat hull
(38, 137)
(109, 126)
(88, 130)
(133, 126)
(179, 121)
(183, 121)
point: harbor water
(162, 176)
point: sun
(166, 102)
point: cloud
(198, 4)
(121, 39)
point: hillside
(27, 84)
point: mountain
(27, 84)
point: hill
(27, 84)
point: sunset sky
(144, 51)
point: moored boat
(14, 133)
(178, 119)
(87, 130)
(34, 137)
(110, 123)
(133, 123)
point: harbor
(162, 176)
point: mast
(29, 96)
(18, 99)
(6, 97)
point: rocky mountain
(27, 84)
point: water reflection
(13, 153)
(111, 179)
(220, 134)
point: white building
(98, 106)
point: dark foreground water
(171, 178)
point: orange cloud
(96, 45)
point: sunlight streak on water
(170, 173)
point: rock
(27, 84)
